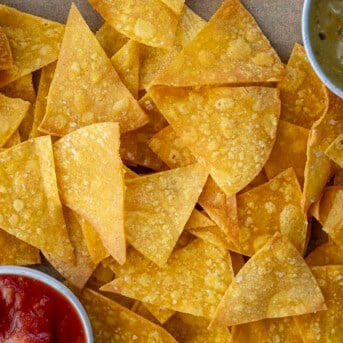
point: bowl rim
(58, 287)
(309, 51)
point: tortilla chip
(111, 320)
(259, 180)
(231, 48)
(30, 208)
(197, 220)
(325, 326)
(6, 59)
(90, 177)
(160, 313)
(154, 61)
(318, 165)
(276, 282)
(267, 331)
(13, 140)
(193, 281)
(110, 39)
(94, 90)
(100, 276)
(335, 150)
(34, 41)
(231, 130)
(304, 97)
(23, 88)
(79, 272)
(16, 252)
(157, 208)
(190, 329)
(129, 174)
(237, 262)
(289, 151)
(326, 254)
(151, 23)
(126, 63)
(141, 310)
(272, 207)
(12, 112)
(175, 5)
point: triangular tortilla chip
(269, 208)
(6, 59)
(304, 97)
(23, 89)
(111, 320)
(126, 63)
(34, 41)
(86, 89)
(197, 220)
(325, 326)
(259, 180)
(13, 140)
(79, 272)
(160, 313)
(325, 254)
(16, 252)
(276, 282)
(231, 130)
(30, 208)
(158, 207)
(289, 151)
(175, 5)
(318, 165)
(193, 281)
(140, 308)
(230, 49)
(12, 112)
(90, 178)
(267, 331)
(335, 150)
(152, 24)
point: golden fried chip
(113, 321)
(126, 63)
(160, 313)
(190, 329)
(90, 177)
(110, 39)
(16, 252)
(86, 89)
(267, 331)
(23, 88)
(197, 220)
(193, 281)
(231, 48)
(325, 254)
(154, 61)
(13, 140)
(100, 276)
(175, 5)
(259, 180)
(231, 130)
(318, 165)
(79, 272)
(34, 41)
(335, 150)
(276, 282)
(269, 208)
(12, 112)
(140, 308)
(289, 151)
(158, 207)
(325, 326)
(30, 208)
(151, 23)
(6, 59)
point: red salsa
(33, 312)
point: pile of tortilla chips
(175, 172)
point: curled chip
(193, 281)
(230, 49)
(325, 254)
(318, 165)
(151, 23)
(289, 151)
(90, 177)
(325, 326)
(12, 112)
(158, 207)
(231, 130)
(304, 97)
(34, 41)
(30, 208)
(335, 150)
(6, 59)
(86, 89)
(111, 320)
(276, 282)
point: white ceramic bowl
(309, 50)
(58, 287)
